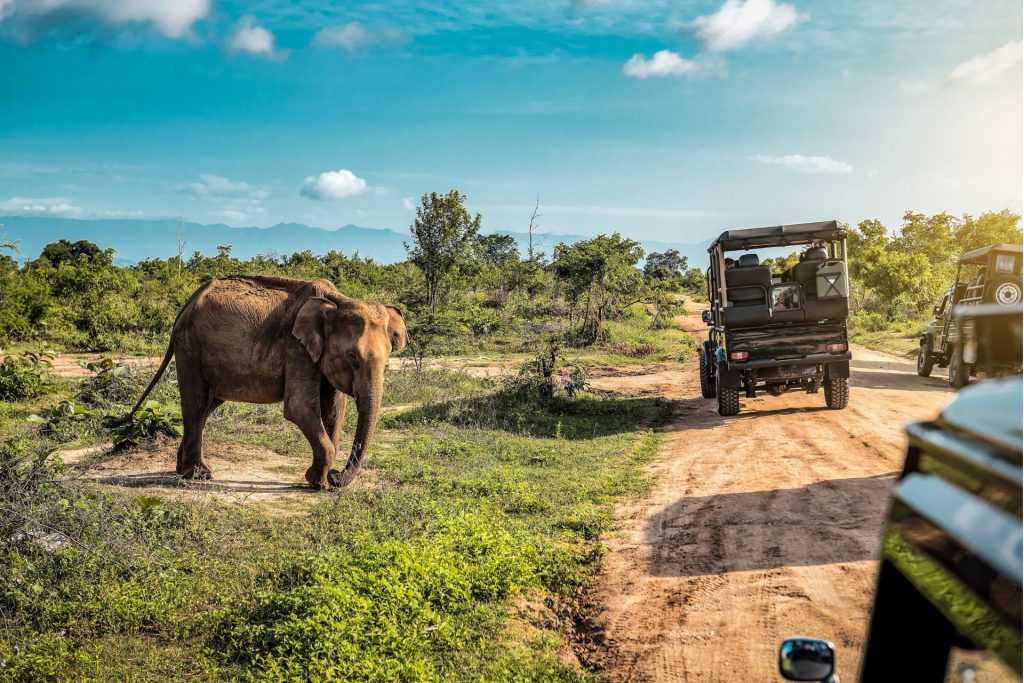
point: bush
(631, 350)
(65, 421)
(146, 423)
(110, 383)
(25, 376)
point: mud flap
(727, 377)
(839, 369)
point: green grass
(899, 338)
(482, 520)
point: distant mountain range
(137, 239)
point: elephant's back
(237, 313)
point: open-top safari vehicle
(990, 275)
(777, 331)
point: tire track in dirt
(759, 526)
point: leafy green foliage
(65, 421)
(25, 376)
(444, 237)
(146, 423)
(110, 383)
(598, 275)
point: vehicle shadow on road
(825, 522)
(880, 379)
(702, 413)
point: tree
(498, 249)
(444, 235)
(991, 227)
(599, 274)
(667, 265)
(63, 251)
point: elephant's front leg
(332, 411)
(302, 407)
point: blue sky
(663, 120)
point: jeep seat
(805, 274)
(747, 285)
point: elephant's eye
(352, 356)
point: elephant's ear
(309, 325)
(396, 328)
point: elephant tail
(110, 421)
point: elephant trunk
(368, 406)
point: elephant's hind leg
(195, 409)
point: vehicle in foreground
(774, 332)
(990, 276)
(947, 605)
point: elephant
(263, 339)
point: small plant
(146, 423)
(111, 383)
(25, 376)
(577, 382)
(64, 421)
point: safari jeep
(774, 332)
(990, 275)
(947, 604)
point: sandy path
(760, 526)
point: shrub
(110, 383)
(146, 423)
(633, 350)
(65, 421)
(25, 376)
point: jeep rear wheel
(728, 399)
(958, 376)
(707, 376)
(837, 393)
(924, 361)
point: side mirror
(705, 315)
(807, 659)
(935, 311)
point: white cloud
(251, 38)
(355, 36)
(333, 185)
(988, 67)
(50, 206)
(409, 203)
(737, 22)
(806, 164)
(662, 63)
(173, 18)
(219, 186)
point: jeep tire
(837, 393)
(1004, 291)
(925, 360)
(957, 369)
(728, 399)
(707, 375)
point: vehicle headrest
(816, 254)
(748, 260)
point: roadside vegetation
(897, 276)
(457, 555)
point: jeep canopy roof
(778, 236)
(980, 256)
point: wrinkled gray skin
(261, 339)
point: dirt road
(760, 526)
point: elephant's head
(351, 341)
